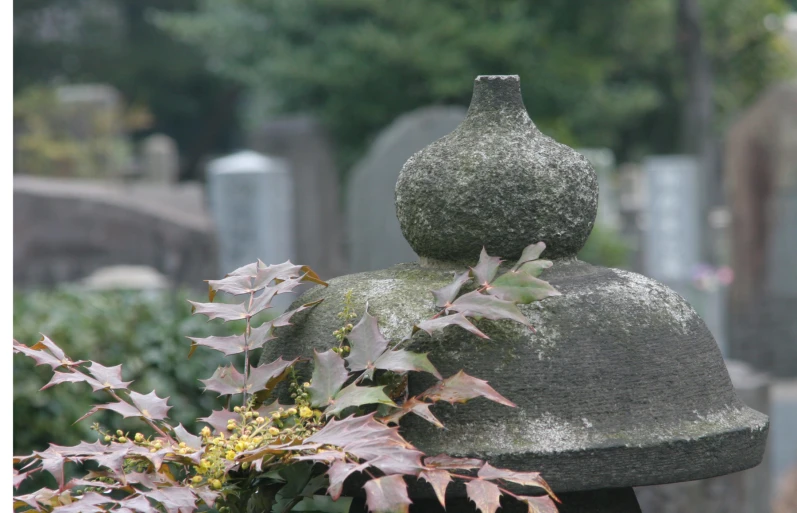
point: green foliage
(594, 73)
(605, 247)
(266, 457)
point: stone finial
(496, 181)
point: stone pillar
(160, 160)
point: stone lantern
(621, 384)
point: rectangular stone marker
(251, 199)
(602, 159)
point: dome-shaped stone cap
(496, 181)
(621, 385)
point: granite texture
(496, 181)
(621, 384)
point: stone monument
(160, 160)
(621, 384)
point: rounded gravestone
(498, 182)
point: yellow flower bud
(260, 420)
(119, 432)
(139, 437)
(216, 484)
(237, 409)
(121, 439)
(107, 438)
(255, 414)
(291, 411)
(205, 432)
(230, 455)
(273, 431)
(305, 412)
(238, 447)
(196, 479)
(306, 384)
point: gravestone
(251, 200)
(126, 277)
(761, 173)
(160, 160)
(65, 229)
(374, 237)
(318, 217)
(602, 160)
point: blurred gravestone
(74, 130)
(741, 492)
(374, 237)
(318, 218)
(602, 159)
(160, 161)
(126, 277)
(251, 200)
(761, 171)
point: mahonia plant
(274, 457)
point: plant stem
(246, 348)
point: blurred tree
(165, 82)
(594, 73)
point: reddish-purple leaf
(338, 473)
(485, 494)
(175, 499)
(45, 352)
(444, 296)
(192, 441)
(229, 345)
(108, 377)
(267, 375)
(530, 253)
(139, 503)
(476, 304)
(87, 503)
(405, 361)
(439, 479)
(519, 287)
(354, 395)
(412, 405)
(367, 343)
(400, 461)
(329, 374)
(72, 377)
(208, 496)
(430, 326)
(114, 460)
(224, 311)
(521, 478)
(262, 301)
(225, 381)
(485, 270)
(35, 499)
(19, 477)
(151, 406)
(542, 504)
(218, 419)
(255, 276)
(460, 388)
(446, 462)
(387, 495)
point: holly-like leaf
(354, 395)
(519, 287)
(475, 304)
(176, 499)
(387, 495)
(72, 377)
(461, 388)
(108, 377)
(443, 461)
(444, 296)
(431, 326)
(218, 419)
(405, 361)
(256, 276)
(439, 479)
(329, 374)
(34, 499)
(412, 405)
(541, 504)
(266, 376)
(19, 477)
(114, 460)
(139, 503)
(338, 473)
(367, 343)
(151, 406)
(485, 494)
(530, 253)
(45, 352)
(535, 267)
(225, 381)
(192, 441)
(521, 478)
(224, 311)
(353, 430)
(87, 503)
(485, 270)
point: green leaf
(530, 253)
(324, 504)
(485, 494)
(519, 287)
(354, 395)
(485, 270)
(444, 296)
(461, 388)
(536, 267)
(475, 304)
(387, 495)
(405, 361)
(329, 374)
(367, 343)
(431, 326)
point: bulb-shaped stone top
(496, 181)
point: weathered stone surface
(621, 385)
(66, 229)
(496, 181)
(374, 236)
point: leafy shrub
(268, 456)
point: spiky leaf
(354, 395)
(266, 376)
(519, 287)
(446, 462)
(439, 479)
(329, 374)
(485, 270)
(412, 405)
(521, 478)
(541, 504)
(461, 388)
(535, 267)
(387, 495)
(431, 326)
(530, 253)
(367, 343)
(338, 473)
(475, 304)
(485, 494)
(225, 381)
(405, 361)
(445, 295)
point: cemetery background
(174, 171)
